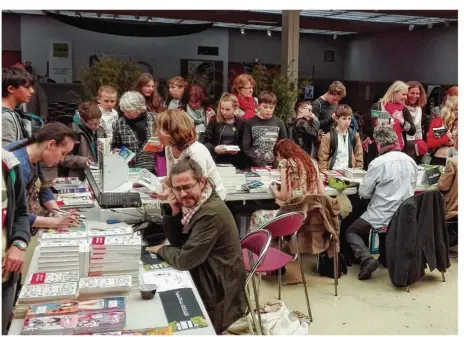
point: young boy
(177, 87)
(263, 131)
(107, 98)
(16, 90)
(304, 129)
(341, 147)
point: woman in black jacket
(226, 129)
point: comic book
(165, 330)
(55, 308)
(50, 325)
(41, 278)
(103, 304)
(98, 322)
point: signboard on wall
(60, 61)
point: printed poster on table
(151, 261)
(182, 309)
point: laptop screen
(93, 183)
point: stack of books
(44, 293)
(63, 255)
(354, 173)
(115, 255)
(230, 178)
(50, 325)
(103, 286)
(61, 183)
(73, 200)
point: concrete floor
(375, 306)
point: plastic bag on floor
(276, 319)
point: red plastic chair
(255, 247)
(287, 224)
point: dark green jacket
(212, 253)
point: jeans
(356, 242)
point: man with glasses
(204, 240)
(304, 129)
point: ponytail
(51, 131)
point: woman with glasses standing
(243, 88)
(87, 129)
(177, 134)
(134, 129)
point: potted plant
(109, 71)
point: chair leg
(280, 273)
(304, 284)
(257, 302)
(252, 314)
(443, 276)
(336, 269)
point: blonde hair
(448, 113)
(179, 126)
(108, 89)
(396, 87)
(226, 97)
(179, 82)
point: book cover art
(40, 278)
(127, 154)
(49, 309)
(101, 321)
(50, 324)
(182, 309)
(104, 304)
(127, 241)
(105, 282)
(162, 331)
(64, 235)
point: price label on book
(112, 304)
(38, 278)
(98, 240)
(41, 310)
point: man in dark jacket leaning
(204, 240)
(15, 231)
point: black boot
(367, 268)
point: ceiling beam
(260, 18)
(448, 14)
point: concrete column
(290, 42)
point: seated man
(204, 240)
(390, 179)
(448, 185)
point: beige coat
(326, 160)
(448, 184)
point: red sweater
(433, 142)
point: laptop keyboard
(121, 199)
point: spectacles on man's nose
(186, 188)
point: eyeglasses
(186, 188)
(247, 88)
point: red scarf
(247, 104)
(391, 108)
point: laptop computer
(112, 199)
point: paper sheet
(167, 279)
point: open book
(149, 180)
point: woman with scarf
(147, 86)
(243, 88)
(204, 240)
(400, 119)
(134, 129)
(198, 109)
(87, 128)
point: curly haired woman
(299, 176)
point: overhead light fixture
(447, 24)
(411, 27)
(269, 33)
(149, 19)
(77, 14)
(430, 25)
(137, 17)
(335, 36)
(242, 30)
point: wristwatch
(20, 244)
